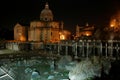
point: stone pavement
(6, 51)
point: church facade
(20, 33)
(45, 29)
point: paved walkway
(6, 51)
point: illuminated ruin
(84, 31)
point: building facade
(19, 33)
(84, 31)
(45, 29)
(113, 29)
(115, 22)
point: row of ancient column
(89, 48)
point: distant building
(45, 29)
(19, 32)
(115, 22)
(113, 30)
(84, 31)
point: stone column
(106, 49)
(80, 47)
(83, 52)
(87, 50)
(66, 48)
(101, 49)
(117, 51)
(94, 47)
(76, 50)
(111, 47)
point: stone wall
(19, 46)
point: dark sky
(71, 12)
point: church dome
(46, 14)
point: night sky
(71, 12)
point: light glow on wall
(62, 37)
(22, 38)
(113, 23)
(88, 34)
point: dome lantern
(46, 14)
